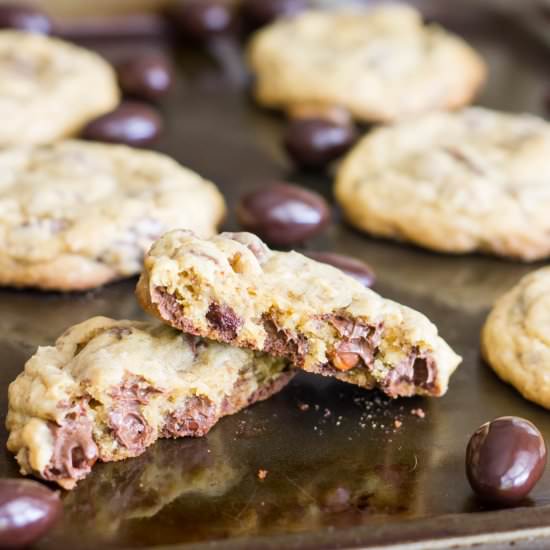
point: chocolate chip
(358, 343)
(258, 13)
(283, 214)
(350, 266)
(133, 389)
(282, 343)
(146, 76)
(132, 123)
(130, 427)
(194, 418)
(200, 20)
(224, 320)
(413, 372)
(24, 18)
(27, 511)
(505, 459)
(74, 452)
(314, 142)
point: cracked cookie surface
(75, 215)
(515, 339)
(109, 389)
(381, 64)
(49, 88)
(233, 288)
(475, 180)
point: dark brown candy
(200, 20)
(27, 511)
(350, 266)
(504, 460)
(258, 13)
(147, 76)
(283, 214)
(24, 18)
(132, 123)
(314, 142)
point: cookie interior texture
(474, 180)
(75, 215)
(233, 289)
(381, 64)
(109, 389)
(515, 339)
(50, 88)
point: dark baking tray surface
(407, 485)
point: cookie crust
(50, 88)
(475, 180)
(75, 215)
(515, 339)
(381, 64)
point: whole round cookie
(49, 88)
(475, 180)
(515, 340)
(381, 64)
(75, 215)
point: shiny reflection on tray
(318, 455)
(117, 494)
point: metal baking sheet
(317, 437)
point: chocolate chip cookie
(234, 289)
(381, 64)
(49, 88)
(75, 215)
(474, 180)
(109, 389)
(515, 340)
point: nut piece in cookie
(50, 88)
(109, 389)
(381, 64)
(233, 289)
(515, 339)
(474, 180)
(75, 215)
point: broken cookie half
(109, 389)
(232, 288)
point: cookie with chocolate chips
(474, 180)
(515, 338)
(75, 215)
(109, 389)
(49, 88)
(233, 288)
(381, 64)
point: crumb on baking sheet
(303, 406)
(262, 474)
(397, 423)
(418, 412)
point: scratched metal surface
(406, 484)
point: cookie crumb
(303, 406)
(397, 423)
(262, 474)
(418, 412)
